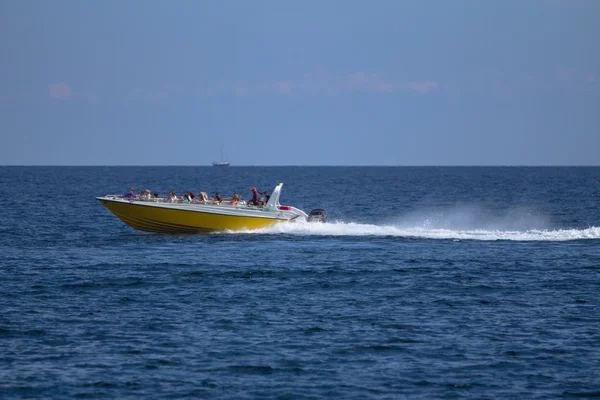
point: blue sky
(300, 82)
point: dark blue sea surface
(444, 282)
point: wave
(357, 229)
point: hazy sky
(300, 82)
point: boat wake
(356, 229)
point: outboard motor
(317, 215)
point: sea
(425, 283)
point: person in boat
(235, 199)
(188, 197)
(130, 195)
(203, 197)
(155, 197)
(217, 198)
(171, 198)
(197, 199)
(255, 201)
(267, 196)
(145, 195)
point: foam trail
(355, 229)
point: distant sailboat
(221, 163)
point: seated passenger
(255, 201)
(235, 199)
(217, 198)
(202, 197)
(171, 198)
(145, 195)
(130, 195)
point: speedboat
(157, 215)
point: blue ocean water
(435, 282)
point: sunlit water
(425, 283)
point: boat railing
(242, 204)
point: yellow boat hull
(165, 220)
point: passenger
(172, 198)
(145, 195)
(217, 198)
(255, 201)
(267, 196)
(130, 195)
(203, 197)
(235, 199)
(196, 199)
(155, 197)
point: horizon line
(314, 165)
